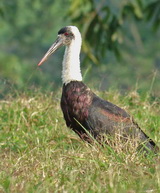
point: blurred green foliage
(111, 30)
(27, 29)
(104, 22)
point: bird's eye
(66, 34)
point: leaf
(1, 12)
(153, 14)
(101, 23)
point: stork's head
(65, 36)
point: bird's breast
(75, 101)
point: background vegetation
(120, 57)
(120, 42)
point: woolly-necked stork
(84, 112)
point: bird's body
(84, 112)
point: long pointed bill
(57, 44)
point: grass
(39, 154)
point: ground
(40, 154)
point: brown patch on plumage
(117, 118)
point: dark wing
(105, 117)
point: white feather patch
(71, 61)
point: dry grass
(39, 154)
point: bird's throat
(71, 63)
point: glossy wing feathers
(107, 118)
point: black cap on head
(63, 30)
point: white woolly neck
(71, 62)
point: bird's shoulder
(77, 91)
